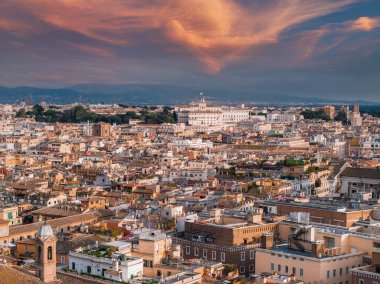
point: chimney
(216, 214)
(318, 249)
(255, 216)
(267, 240)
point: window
(341, 271)
(286, 269)
(294, 270)
(301, 271)
(196, 251)
(251, 268)
(213, 255)
(279, 268)
(242, 269)
(252, 254)
(39, 252)
(187, 250)
(89, 269)
(242, 256)
(63, 259)
(50, 252)
(361, 281)
(222, 256)
(73, 266)
(328, 274)
(334, 272)
(347, 270)
(204, 253)
(272, 266)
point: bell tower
(46, 254)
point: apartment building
(315, 254)
(356, 182)
(225, 238)
(153, 247)
(108, 263)
(11, 214)
(324, 213)
(368, 274)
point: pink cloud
(214, 32)
(363, 24)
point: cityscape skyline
(326, 49)
(190, 141)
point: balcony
(376, 247)
(366, 272)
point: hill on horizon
(145, 94)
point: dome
(45, 231)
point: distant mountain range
(150, 94)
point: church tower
(46, 254)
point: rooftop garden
(100, 251)
(293, 163)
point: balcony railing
(219, 247)
(360, 272)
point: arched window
(50, 252)
(39, 252)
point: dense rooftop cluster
(190, 194)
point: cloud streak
(311, 42)
(213, 32)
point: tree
(38, 109)
(341, 116)
(21, 113)
(175, 117)
(318, 114)
(131, 115)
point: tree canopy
(80, 114)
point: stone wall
(72, 278)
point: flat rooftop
(318, 206)
(286, 249)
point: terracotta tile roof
(361, 173)
(59, 222)
(10, 275)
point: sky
(309, 48)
